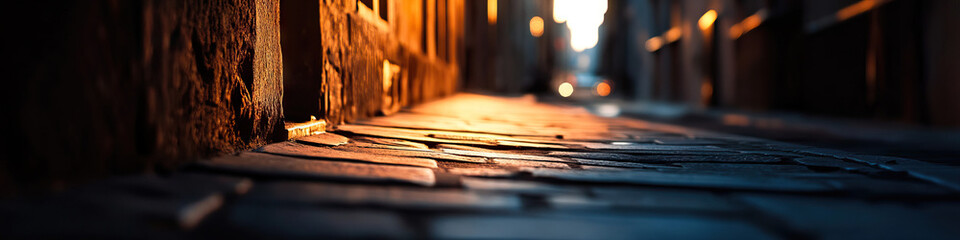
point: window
(375, 11)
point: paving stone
(647, 137)
(680, 141)
(286, 193)
(609, 226)
(578, 202)
(306, 151)
(621, 164)
(183, 199)
(602, 168)
(823, 175)
(407, 134)
(279, 166)
(659, 158)
(393, 142)
(664, 199)
(530, 164)
(900, 188)
(830, 162)
(446, 137)
(649, 147)
(944, 175)
(205, 183)
(740, 168)
(302, 222)
(512, 169)
(66, 219)
(492, 154)
(482, 172)
(682, 180)
(138, 205)
(328, 139)
(417, 154)
(384, 146)
(433, 122)
(772, 153)
(828, 218)
(516, 186)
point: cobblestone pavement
(474, 166)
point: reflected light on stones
(607, 110)
(565, 89)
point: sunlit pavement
(474, 166)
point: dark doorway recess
(300, 38)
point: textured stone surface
(277, 166)
(329, 139)
(304, 222)
(362, 188)
(353, 51)
(415, 153)
(844, 219)
(306, 151)
(652, 198)
(589, 227)
(123, 87)
(681, 180)
(134, 205)
(397, 197)
(529, 164)
(500, 185)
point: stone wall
(116, 87)
(108, 87)
(349, 67)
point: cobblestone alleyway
(475, 166)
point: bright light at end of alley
(583, 19)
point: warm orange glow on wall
(706, 21)
(736, 31)
(536, 26)
(583, 19)
(565, 89)
(654, 44)
(855, 9)
(673, 34)
(603, 89)
(706, 91)
(492, 11)
(749, 23)
(391, 73)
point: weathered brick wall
(111, 87)
(350, 69)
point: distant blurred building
(883, 59)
